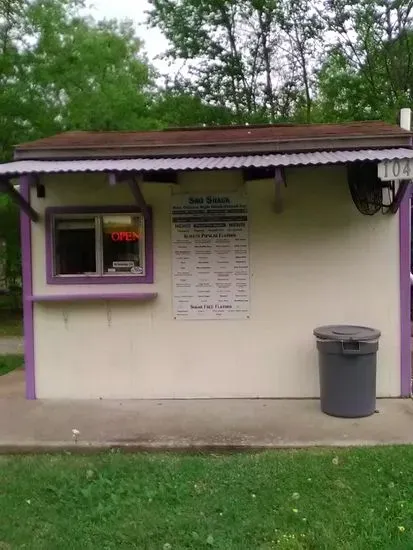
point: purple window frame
(52, 279)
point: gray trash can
(347, 362)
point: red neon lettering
(129, 236)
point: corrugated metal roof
(269, 133)
(200, 163)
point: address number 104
(397, 169)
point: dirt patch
(12, 385)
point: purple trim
(137, 297)
(405, 322)
(28, 327)
(107, 279)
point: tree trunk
(269, 92)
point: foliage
(293, 60)
(368, 72)
(11, 322)
(297, 500)
(10, 260)
(251, 56)
(60, 71)
(246, 61)
(177, 106)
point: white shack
(195, 263)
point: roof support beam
(134, 182)
(8, 188)
(279, 182)
(404, 186)
(113, 178)
(134, 186)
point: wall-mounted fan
(368, 191)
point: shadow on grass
(11, 315)
(9, 363)
(11, 323)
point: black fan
(365, 187)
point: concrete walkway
(11, 345)
(194, 424)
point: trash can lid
(346, 333)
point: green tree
(251, 56)
(303, 29)
(60, 71)
(368, 72)
(15, 110)
(178, 105)
(10, 258)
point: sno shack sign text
(209, 200)
(396, 169)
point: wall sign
(210, 256)
(395, 169)
(123, 263)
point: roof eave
(217, 149)
(171, 165)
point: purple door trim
(405, 322)
(28, 328)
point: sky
(154, 41)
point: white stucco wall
(319, 262)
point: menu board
(210, 263)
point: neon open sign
(124, 236)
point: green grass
(358, 499)
(9, 363)
(11, 317)
(11, 325)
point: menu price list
(210, 260)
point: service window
(122, 248)
(98, 245)
(75, 247)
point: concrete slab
(194, 424)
